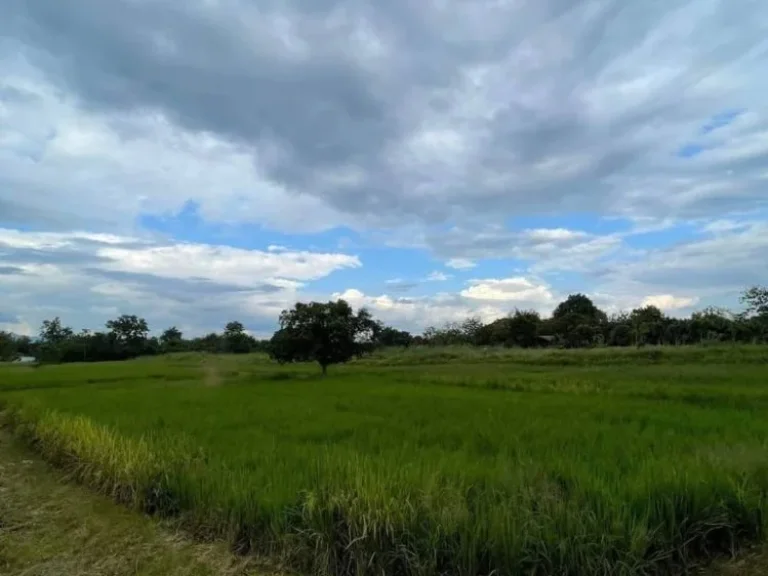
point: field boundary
(50, 525)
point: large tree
(579, 305)
(326, 333)
(577, 321)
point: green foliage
(575, 323)
(9, 349)
(605, 461)
(172, 340)
(581, 306)
(621, 335)
(388, 336)
(326, 333)
(756, 299)
(236, 339)
(520, 329)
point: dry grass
(51, 527)
(211, 375)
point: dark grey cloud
(180, 290)
(442, 109)
(6, 318)
(400, 286)
(10, 270)
(215, 75)
(541, 249)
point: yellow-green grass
(49, 526)
(635, 466)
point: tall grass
(596, 469)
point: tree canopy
(756, 299)
(326, 333)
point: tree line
(124, 338)
(332, 332)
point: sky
(210, 160)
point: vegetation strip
(50, 526)
(332, 333)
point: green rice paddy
(425, 462)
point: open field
(588, 462)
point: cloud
(668, 302)
(400, 285)
(415, 314)
(382, 113)
(6, 318)
(543, 248)
(724, 261)
(460, 263)
(19, 328)
(486, 299)
(437, 276)
(223, 263)
(64, 164)
(84, 276)
(476, 132)
(513, 290)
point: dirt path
(51, 527)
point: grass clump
(391, 467)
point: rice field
(425, 462)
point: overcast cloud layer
(481, 155)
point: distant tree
(430, 335)
(451, 333)
(579, 305)
(129, 334)
(211, 342)
(52, 331)
(578, 322)
(756, 299)
(236, 339)
(54, 340)
(470, 330)
(388, 336)
(327, 333)
(9, 350)
(171, 339)
(495, 333)
(25, 346)
(524, 328)
(621, 335)
(580, 336)
(128, 328)
(647, 324)
(713, 324)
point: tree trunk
(325, 369)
